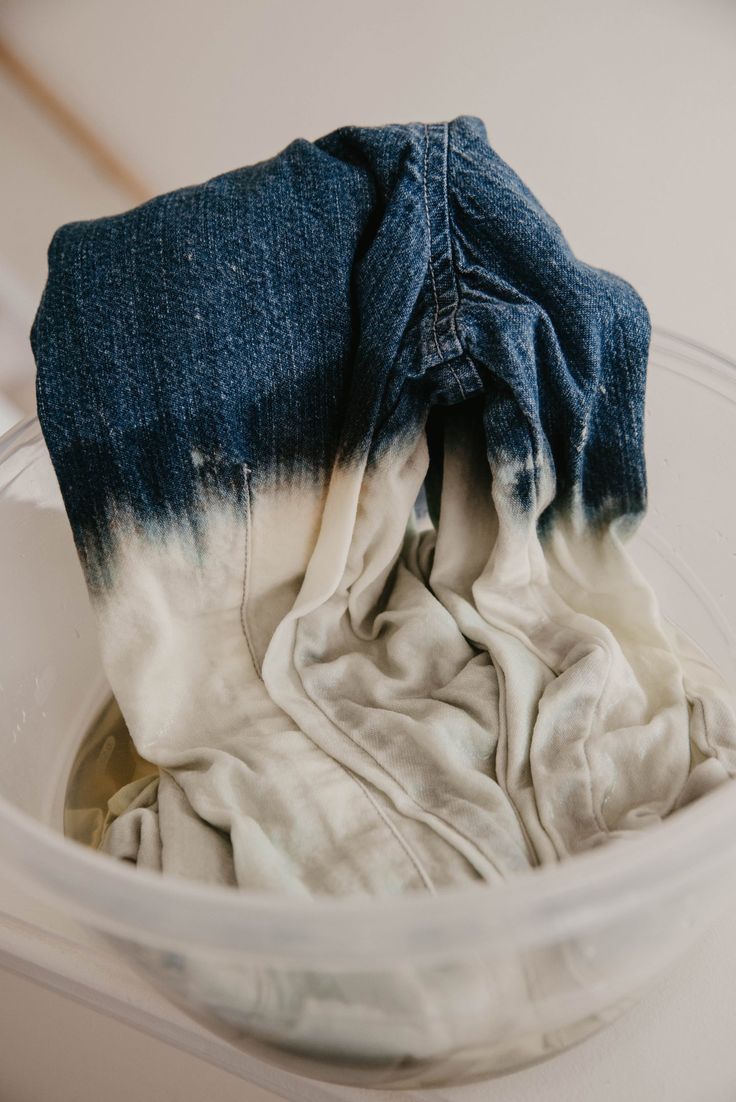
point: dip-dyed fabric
(351, 444)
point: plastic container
(392, 993)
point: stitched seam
(457, 380)
(246, 576)
(456, 281)
(413, 857)
(435, 319)
(429, 233)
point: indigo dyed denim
(249, 388)
(310, 309)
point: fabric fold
(352, 446)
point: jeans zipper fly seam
(441, 266)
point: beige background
(619, 115)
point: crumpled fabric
(352, 448)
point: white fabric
(342, 700)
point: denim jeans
(351, 444)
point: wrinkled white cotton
(343, 699)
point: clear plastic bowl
(383, 993)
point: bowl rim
(538, 905)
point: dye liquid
(106, 761)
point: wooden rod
(96, 151)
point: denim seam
(246, 574)
(429, 235)
(451, 242)
(445, 356)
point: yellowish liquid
(106, 761)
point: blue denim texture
(313, 308)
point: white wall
(619, 115)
